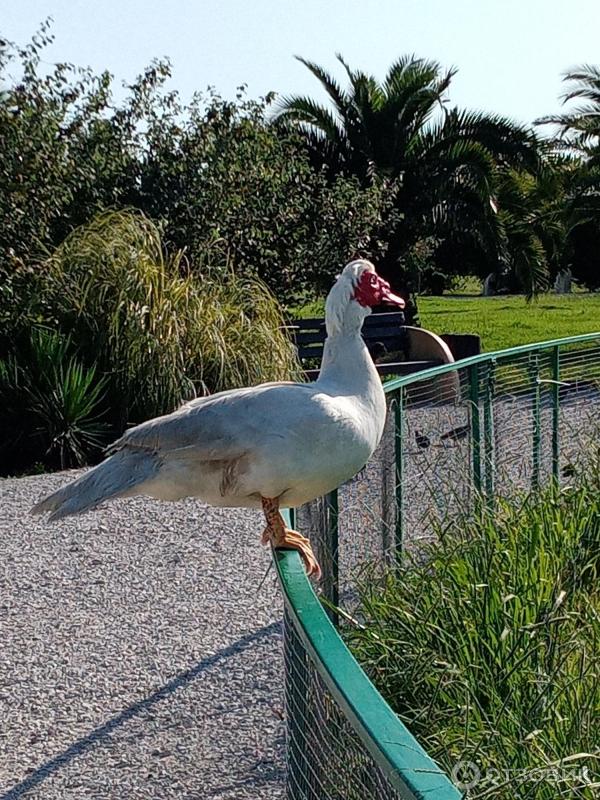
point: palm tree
(441, 164)
(532, 224)
(579, 135)
(370, 127)
(579, 128)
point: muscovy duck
(268, 446)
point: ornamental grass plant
(489, 648)
(138, 322)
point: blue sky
(510, 54)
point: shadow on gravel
(86, 743)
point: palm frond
(309, 113)
(333, 89)
(353, 75)
(587, 76)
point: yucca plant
(52, 402)
(64, 399)
(490, 650)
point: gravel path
(138, 658)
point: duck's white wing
(228, 424)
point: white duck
(274, 445)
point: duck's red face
(373, 290)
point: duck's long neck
(347, 365)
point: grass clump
(138, 333)
(489, 650)
(161, 333)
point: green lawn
(509, 321)
(504, 321)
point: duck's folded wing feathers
(222, 426)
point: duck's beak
(387, 296)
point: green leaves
(579, 138)
(442, 166)
(64, 401)
(581, 125)
(53, 404)
(125, 310)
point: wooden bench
(383, 334)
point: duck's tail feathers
(119, 476)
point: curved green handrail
(405, 763)
(482, 358)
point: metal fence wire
(326, 757)
(458, 438)
(343, 740)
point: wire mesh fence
(326, 759)
(457, 439)
(344, 742)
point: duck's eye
(368, 291)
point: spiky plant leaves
(53, 404)
(64, 399)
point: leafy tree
(65, 154)
(223, 184)
(235, 191)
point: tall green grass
(140, 325)
(489, 649)
(162, 333)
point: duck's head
(357, 290)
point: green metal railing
(344, 741)
(519, 415)
(458, 437)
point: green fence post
(399, 457)
(399, 484)
(332, 513)
(556, 413)
(488, 432)
(475, 425)
(534, 375)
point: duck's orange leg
(280, 536)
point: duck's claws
(292, 540)
(281, 537)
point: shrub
(140, 324)
(51, 404)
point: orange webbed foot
(279, 536)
